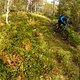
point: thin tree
(7, 13)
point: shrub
(73, 37)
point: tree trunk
(35, 8)
(27, 7)
(8, 4)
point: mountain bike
(62, 31)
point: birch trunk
(8, 5)
(35, 8)
(27, 7)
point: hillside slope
(30, 50)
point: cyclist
(63, 20)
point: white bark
(35, 8)
(27, 7)
(8, 5)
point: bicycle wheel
(64, 34)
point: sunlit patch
(26, 44)
(2, 24)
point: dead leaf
(19, 78)
(1, 53)
(11, 60)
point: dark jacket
(63, 20)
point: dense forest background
(53, 9)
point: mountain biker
(62, 21)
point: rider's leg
(63, 25)
(59, 25)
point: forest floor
(31, 50)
